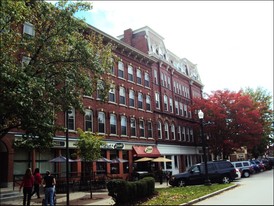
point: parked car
(267, 164)
(259, 164)
(218, 171)
(245, 167)
(255, 167)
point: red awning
(145, 151)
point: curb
(210, 195)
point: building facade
(147, 114)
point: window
(176, 107)
(165, 103)
(123, 125)
(88, 120)
(25, 61)
(142, 128)
(132, 127)
(179, 133)
(131, 98)
(148, 107)
(113, 124)
(122, 94)
(140, 100)
(130, 73)
(120, 69)
(139, 76)
(101, 122)
(168, 83)
(187, 134)
(149, 129)
(28, 28)
(184, 133)
(147, 80)
(159, 129)
(191, 135)
(157, 100)
(100, 88)
(181, 108)
(71, 119)
(165, 79)
(173, 132)
(162, 79)
(166, 131)
(155, 77)
(171, 105)
(112, 93)
(185, 110)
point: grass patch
(179, 195)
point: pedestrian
(161, 175)
(27, 184)
(37, 182)
(49, 183)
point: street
(255, 190)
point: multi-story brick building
(147, 114)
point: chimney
(128, 36)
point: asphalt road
(255, 190)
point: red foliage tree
(230, 120)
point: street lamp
(201, 117)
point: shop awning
(145, 151)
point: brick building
(147, 114)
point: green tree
(65, 61)
(89, 149)
(262, 101)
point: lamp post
(201, 117)
(67, 159)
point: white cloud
(230, 41)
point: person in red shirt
(27, 184)
(37, 182)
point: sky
(230, 41)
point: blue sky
(230, 41)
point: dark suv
(218, 171)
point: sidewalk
(76, 198)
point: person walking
(27, 184)
(37, 182)
(49, 183)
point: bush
(124, 192)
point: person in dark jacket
(49, 183)
(27, 184)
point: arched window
(139, 76)
(113, 124)
(132, 127)
(121, 69)
(112, 93)
(131, 98)
(157, 100)
(88, 120)
(148, 104)
(173, 132)
(101, 122)
(159, 129)
(149, 129)
(147, 80)
(166, 131)
(140, 100)
(122, 93)
(130, 73)
(71, 119)
(165, 103)
(142, 128)
(123, 125)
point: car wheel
(181, 183)
(225, 180)
(246, 174)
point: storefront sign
(149, 149)
(58, 143)
(117, 145)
